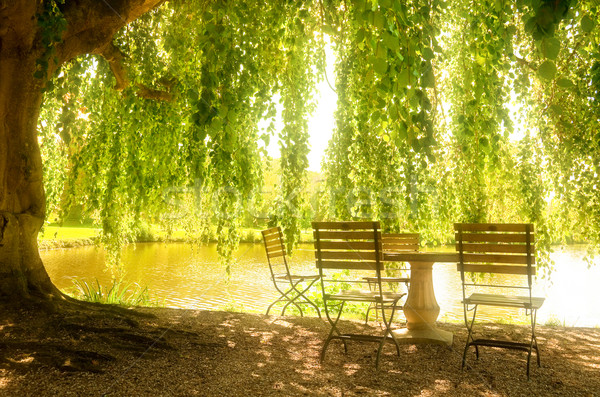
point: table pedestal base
(425, 335)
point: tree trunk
(91, 25)
(22, 202)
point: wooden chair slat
(350, 255)
(345, 235)
(362, 265)
(390, 241)
(275, 254)
(272, 238)
(494, 238)
(277, 247)
(346, 245)
(500, 269)
(270, 232)
(497, 248)
(415, 236)
(274, 244)
(493, 227)
(498, 258)
(273, 230)
(400, 247)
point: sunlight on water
(187, 276)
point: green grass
(74, 232)
(68, 233)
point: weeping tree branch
(157, 95)
(523, 62)
(114, 56)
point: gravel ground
(170, 352)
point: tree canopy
(447, 111)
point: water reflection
(191, 277)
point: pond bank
(246, 236)
(175, 352)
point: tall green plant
(117, 293)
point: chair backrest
(502, 248)
(275, 250)
(399, 242)
(394, 242)
(348, 245)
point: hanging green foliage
(447, 111)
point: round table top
(420, 256)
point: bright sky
(320, 125)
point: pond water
(186, 276)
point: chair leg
(306, 299)
(537, 351)
(367, 315)
(332, 330)
(285, 297)
(313, 305)
(273, 304)
(293, 300)
(375, 307)
(294, 296)
(388, 331)
(470, 334)
(292, 303)
(392, 334)
(533, 344)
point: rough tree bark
(91, 25)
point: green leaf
(428, 79)
(530, 25)
(391, 41)
(550, 47)
(547, 70)
(378, 19)
(380, 65)
(556, 109)
(428, 53)
(403, 78)
(564, 83)
(381, 52)
(587, 24)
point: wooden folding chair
(395, 242)
(290, 286)
(354, 250)
(503, 249)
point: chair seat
(296, 277)
(388, 279)
(365, 296)
(504, 300)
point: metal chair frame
(394, 242)
(289, 285)
(502, 249)
(354, 246)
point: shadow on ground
(169, 352)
